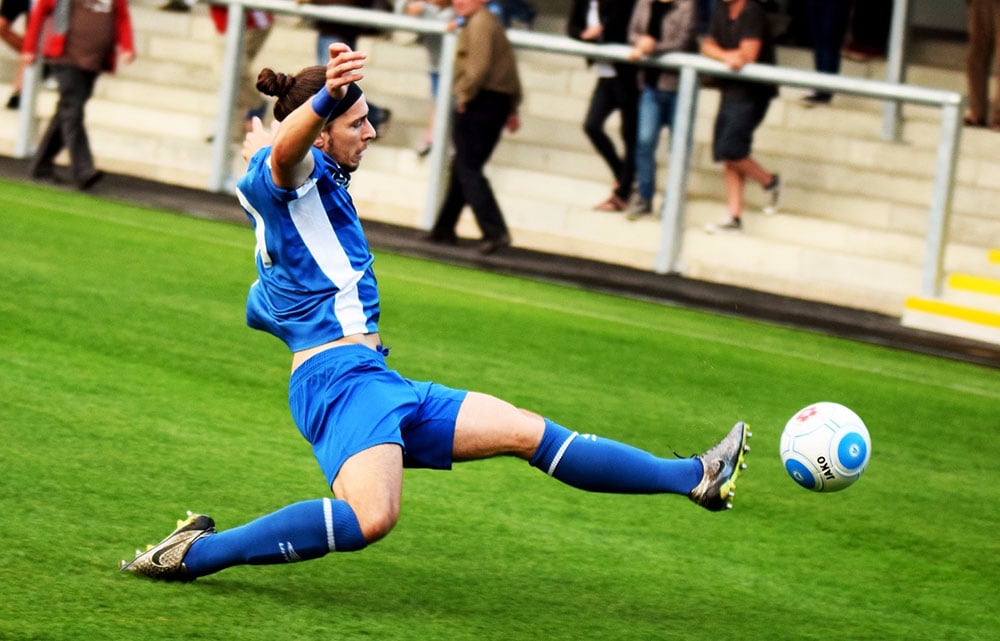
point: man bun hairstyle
(292, 91)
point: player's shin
(598, 464)
(298, 532)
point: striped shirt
(315, 281)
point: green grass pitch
(131, 391)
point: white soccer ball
(825, 447)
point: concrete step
(969, 306)
(955, 320)
(851, 230)
(978, 292)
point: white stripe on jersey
(258, 228)
(310, 220)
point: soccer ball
(825, 447)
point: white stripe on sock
(331, 542)
(559, 454)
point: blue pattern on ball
(852, 451)
(800, 473)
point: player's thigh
(371, 482)
(487, 426)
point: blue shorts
(345, 400)
(735, 124)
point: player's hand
(258, 137)
(513, 123)
(343, 68)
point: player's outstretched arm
(291, 162)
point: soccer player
(316, 292)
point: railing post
(438, 158)
(944, 186)
(892, 110)
(27, 121)
(675, 196)
(232, 58)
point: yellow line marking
(975, 284)
(950, 310)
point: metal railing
(690, 67)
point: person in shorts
(316, 291)
(738, 34)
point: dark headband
(351, 97)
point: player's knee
(529, 435)
(376, 522)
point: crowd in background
(641, 96)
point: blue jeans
(656, 111)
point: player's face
(346, 138)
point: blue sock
(601, 465)
(298, 532)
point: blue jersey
(315, 282)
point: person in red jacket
(80, 40)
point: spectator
(796, 33)
(258, 27)
(80, 40)
(705, 10)
(10, 11)
(739, 34)
(331, 32)
(519, 11)
(657, 27)
(431, 10)
(870, 26)
(487, 92)
(827, 21)
(607, 21)
(984, 49)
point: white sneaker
(640, 208)
(773, 196)
(731, 224)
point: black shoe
(42, 173)
(439, 239)
(490, 245)
(816, 99)
(14, 102)
(90, 180)
(177, 6)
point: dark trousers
(619, 93)
(475, 134)
(66, 129)
(827, 21)
(870, 26)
